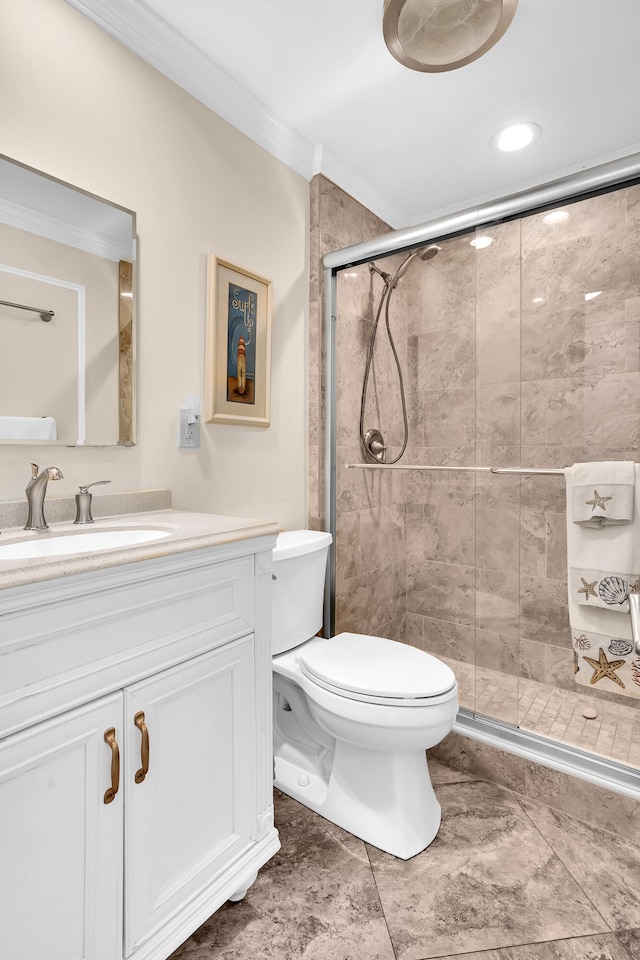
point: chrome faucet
(36, 492)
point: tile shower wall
(370, 508)
(580, 395)
(505, 363)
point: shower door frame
(578, 185)
(584, 183)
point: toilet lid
(375, 667)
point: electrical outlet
(188, 433)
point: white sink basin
(78, 543)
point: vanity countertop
(186, 531)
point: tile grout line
(569, 871)
(384, 916)
(532, 943)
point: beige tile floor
(551, 711)
(505, 879)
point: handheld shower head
(425, 253)
(428, 253)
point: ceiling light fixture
(438, 35)
(516, 137)
(556, 216)
(481, 242)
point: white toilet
(354, 714)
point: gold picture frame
(238, 350)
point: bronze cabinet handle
(110, 740)
(144, 747)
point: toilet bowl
(353, 714)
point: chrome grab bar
(634, 613)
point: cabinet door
(60, 843)
(195, 808)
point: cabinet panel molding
(61, 876)
(45, 665)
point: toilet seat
(376, 670)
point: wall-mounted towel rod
(515, 471)
(526, 471)
(45, 315)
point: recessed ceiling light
(481, 242)
(516, 137)
(592, 296)
(556, 216)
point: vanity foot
(240, 894)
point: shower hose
(385, 300)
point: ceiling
(315, 85)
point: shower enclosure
(518, 339)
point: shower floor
(555, 713)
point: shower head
(425, 253)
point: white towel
(604, 563)
(28, 428)
(602, 493)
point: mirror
(66, 313)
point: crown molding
(331, 166)
(522, 186)
(139, 29)
(24, 218)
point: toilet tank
(297, 597)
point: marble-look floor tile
(606, 946)
(631, 940)
(315, 900)
(606, 866)
(487, 881)
(441, 773)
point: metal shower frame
(595, 180)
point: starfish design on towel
(597, 501)
(635, 587)
(605, 668)
(587, 588)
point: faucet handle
(83, 502)
(96, 483)
(35, 470)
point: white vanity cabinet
(60, 845)
(135, 759)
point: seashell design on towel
(582, 642)
(620, 648)
(635, 672)
(613, 590)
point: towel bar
(514, 471)
(634, 613)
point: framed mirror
(67, 309)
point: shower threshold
(601, 771)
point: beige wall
(84, 109)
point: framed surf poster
(238, 352)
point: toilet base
(384, 798)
